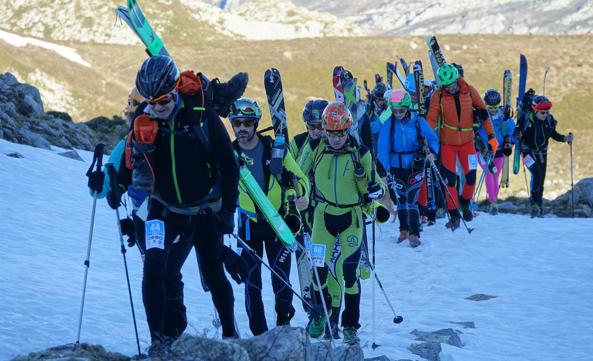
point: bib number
(317, 255)
(472, 161)
(528, 161)
(155, 234)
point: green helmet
(398, 98)
(448, 74)
(245, 108)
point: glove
(517, 134)
(492, 143)
(128, 229)
(96, 180)
(507, 147)
(569, 138)
(234, 264)
(114, 196)
(375, 191)
(226, 222)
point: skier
(454, 105)
(343, 186)
(255, 151)
(504, 127)
(194, 193)
(536, 125)
(403, 141)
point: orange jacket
(454, 129)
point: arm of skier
(227, 162)
(555, 135)
(305, 160)
(291, 166)
(434, 111)
(431, 138)
(366, 162)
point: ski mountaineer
(536, 125)
(343, 188)
(195, 190)
(451, 113)
(504, 127)
(427, 215)
(255, 152)
(402, 150)
(312, 117)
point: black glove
(226, 222)
(114, 196)
(96, 180)
(234, 264)
(128, 229)
(375, 191)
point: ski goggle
(399, 110)
(236, 123)
(314, 126)
(492, 108)
(246, 111)
(336, 133)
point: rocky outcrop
(23, 120)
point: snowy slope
(540, 270)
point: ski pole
(98, 160)
(113, 185)
(526, 183)
(374, 345)
(396, 318)
(436, 171)
(571, 179)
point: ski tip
(398, 319)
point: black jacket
(536, 133)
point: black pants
(538, 176)
(408, 182)
(279, 258)
(162, 289)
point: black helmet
(157, 76)
(313, 110)
(492, 97)
(379, 90)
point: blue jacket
(502, 128)
(398, 140)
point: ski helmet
(410, 84)
(379, 90)
(313, 110)
(157, 77)
(398, 98)
(245, 108)
(448, 74)
(541, 104)
(336, 117)
(492, 97)
(134, 99)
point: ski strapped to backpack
(136, 20)
(520, 94)
(507, 81)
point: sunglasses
(542, 112)
(236, 123)
(315, 126)
(336, 133)
(492, 108)
(162, 100)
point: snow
(64, 51)
(539, 269)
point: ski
(419, 80)
(521, 92)
(337, 83)
(405, 66)
(389, 71)
(544, 82)
(507, 81)
(136, 20)
(435, 54)
(401, 77)
(250, 185)
(433, 64)
(349, 86)
(275, 96)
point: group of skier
(413, 147)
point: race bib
(528, 161)
(155, 234)
(317, 255)
(472, 161)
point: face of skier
(541, 115)
(337, 139)
(315, 130)
(399, 112)
(452, 88)
(244, 129)
(164, 107)
(493, 110)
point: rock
(348, 353)
(25, 136)
(280, 343)
(72, 155)
(198, 348)
(380, 358)
(446, 335)
(83, 352)
(465, 324)
(480, 297)
(15, 155)
(61, 115)
(426, 350)
(319, 351)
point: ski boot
(364, 270)
(334, 333)
(536, 211)
(468, 214)
(493, 209)
(316, 327)
(351, 336)
(160, 348)
(414, 241)
(403, 235)
(454, 222)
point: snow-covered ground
(541, 271)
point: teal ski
(136, 20)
